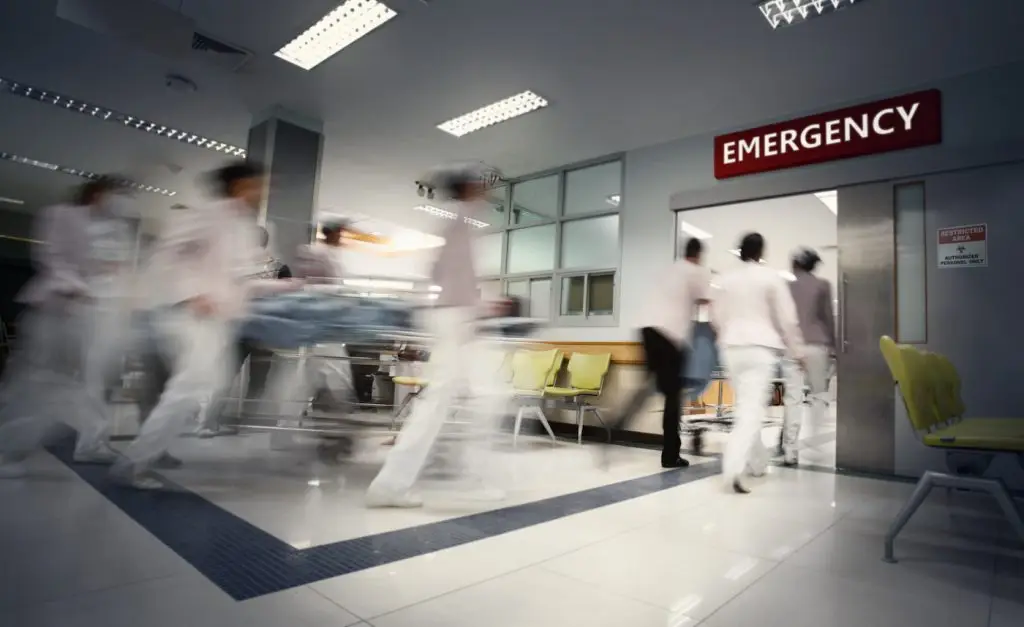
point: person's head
(334, 232)
(752, 247)
(466, 182)
(95, 191)
(805, 260)
(241, 181)
(693, 250)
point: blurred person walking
(756, 320)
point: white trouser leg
(750, 371)
(447, 372)
(816, 379)
(199, 367)
(108, 337)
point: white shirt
(754, 307)
(674, 304)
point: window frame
(558, 273)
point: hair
(694, 247)
(88, 192)
(330, 228)
(807, 261)
(225, 178)
(752, 247)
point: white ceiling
(619, 75)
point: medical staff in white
(756, 319)
(455, 364)
(812, 296)
(76, 310)
(202, 271)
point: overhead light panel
(350, 21)
(11, 201)
(85, 174)
(692, 231)
(614, 200)
(492, 114)
(106, 114)
(830, 200)
(449, 215)
(788, 12)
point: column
(290, 147)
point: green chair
(587, 373)
(531, 372)
(930, 389)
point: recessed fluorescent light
(830, 200)
(693, 231)
(105, 114)
(340, 28)
(11, 201)
(85, 174)
(449, 215)
(614, 200)
(492, 114)
(788, 12)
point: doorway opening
(788, 224)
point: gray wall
(294, 168)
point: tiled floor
(631, 546)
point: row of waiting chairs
(929, 386)
(533, 375)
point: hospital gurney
(338, 328)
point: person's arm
(827, 315)
(188, 245)
(53, 254)
(784, 311)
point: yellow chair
(930, 390)
(586, 380)
(531, 371)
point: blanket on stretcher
(290, 321)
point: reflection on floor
(574, 545)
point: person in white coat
(76, 306)
(813, 298)
(756, 320)
(457, 354)
(204, 269)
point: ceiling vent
(221, 54)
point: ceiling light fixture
(449, 215)
(109, 115)
(85, 174)
(830, 200)
(11, 201)
(614, 200)
(347, 23)
(492, 114)
(692, 231)
(789, 12)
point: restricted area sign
(963, 246)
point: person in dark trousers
(666, 345)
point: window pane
(487, 250)
(497, 211)
(573, 288)
(518, 289)
(601, 295)
(535, 201)
(594, 189)
(592, 243)
(911, 264)
(540, 299)
(490, 290)
(531, 250)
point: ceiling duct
(142, 23)
(219, 53)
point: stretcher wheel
(698, 441)
(333, 450)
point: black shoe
(676, 463)
(168, 462)
(739, 488)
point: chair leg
(519, 424)
(600, 418)
(579, 424)
(544, 421)
(924, 486)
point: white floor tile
(665, 569)
(188, 600)
(534, 598)
(790, 596)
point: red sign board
(908, 121)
